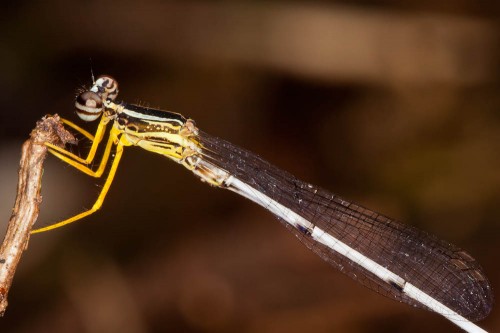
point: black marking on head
(90, 99)
(89, 106)
(108, 88)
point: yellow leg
(82, 167)
(101, 129)
(79, 129)
(102, 195)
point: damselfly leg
(96, 140)
(114, 139)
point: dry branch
(28, 199)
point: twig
(28, 199)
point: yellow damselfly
(385, 255)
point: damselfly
(385, 255)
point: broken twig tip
(28, 199)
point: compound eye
(107, 87)
(88, 106)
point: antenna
(91, 70)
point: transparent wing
(440, 269)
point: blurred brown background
(392, 104)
